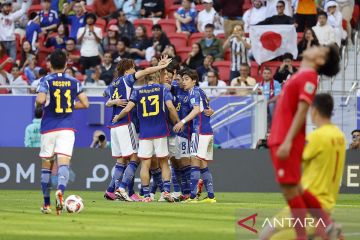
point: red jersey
(300, 87)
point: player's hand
(178, 127)
(163, 59)
(209, 112)
(120, 102)
(283, 151)
(116, 119)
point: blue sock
(157, 178)
(194, 179)
(174, 179)
(129, 174)
(185, 180)
(167, 186)
(208, 181)
(153, 187)
(63, 177)
(46, 185)
(141, 192)
(119, 170)
(146, 191)
(131, 187)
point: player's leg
(162, 154)
(182, 155)
(128, 179)
(185, 177)
(157, 177)
(175, 178)
(145, 154)
(195, 168)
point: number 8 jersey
(150, 101)
(61, 90)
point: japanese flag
(271, 41)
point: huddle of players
(168, 118)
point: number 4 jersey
(61, 90)
(150, 101)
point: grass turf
(20, 217)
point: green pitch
(20, 217)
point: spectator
(126, 28)
(263, 143)
(5, 60)
(254, 15)
(16, 79)
(132, 9)
(308, 40)
(244, 80)
(171, 52)
(271, 7)
(73, 54)
(152, 8)
(104, 8)
(48, 18)
(76, 21)
(32, 131)
(7, 26)
(33, 30)
(95, 82)
(323, 31)
(26, 55)
(99, 140)
(213, 81)
(205, 67)
(42, 73)
(31, 71)
(239, 50)
(335, 20)
(185, 18)
(196, 57)
(210, 44)
(209, 15)
(71, 71)
(286, 69)
(305, 16)
(121, 52)
(271, 90)
(89, 37)
(355, 144)
(154, 61)
(59, 40)
(139, 44)
(110, 41)
(107, 68)
(232, 12)
(346, 8)
(280, 18)
(159, 39)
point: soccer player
(56, 94)
(124, 139)
(151, 101)
(323, 163)
(287, 135)
(202, 138)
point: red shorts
(287, 171)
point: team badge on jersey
(309, 88)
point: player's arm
(124, 112)
(162, 64)
(174, 117)
(189, 117)
(299, 120)
(312, 147)
(83, 101)
(40, 99)
(116, 102)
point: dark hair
(192, 74)
(282, 2)
(144, 30)
(287, 56)
(322, 13)
(125, 40)
(15, 66)
(33, 15)
(267, 69)
(58, 59)
(156, 27)
(23, 53)
(66, 29)
(324, 104)
(90, 15)
(71, 39)
(3, 49)
(200, 53)
(216, 73)
(71, 69)
(332, 62)
(244, 65)
(42, 72)
(303, 41)
(124, 65)
(173, 66)
(354, 131)
(210, 25)
(38, 112)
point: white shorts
(202, 146)
(182, 147)
(124, 141)
(57, 142)
(157, 147)
(172, 146)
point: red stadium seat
(183, 52)
(178, 39)
(227, 55)
(144, 64)
(344, 24)
(221, 36)
(273, 65)
(224, 69)
(90, 8)
(299, 36)
(147, 23)
(195, 37)
(247, 5)
(168, 4)
(34, 8)
(254, 71)
(168, 25)
(112, 22)
(199, 8)
(172, 10)
(101, 23)
(356, 16)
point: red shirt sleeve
(307, 88)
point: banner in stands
(91, 169)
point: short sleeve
(79, 88)
(312, 147)
(193, 14)
(107, 92)
(134, 96)
(195, 98)
(99, 33)
(80, 32)
(167, 95)
(308, 88)
(277, 88)
(130, 80)
(43, 86)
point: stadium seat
(221, 36)
(247, 5)
(227, 55)
(178, 39)
(254, 71)
(101, 23)
(168, 25)
(112, 22)
(224, 69)
(355, 17)
(299, 36)
(144, 64)
(90, 8)
(195, 37)
(34, 8)
(168, 4)
(199, 8)
(273, 65)
(172, 10)
(183, 52)
(147, 23)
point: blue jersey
(190, 26)
(32, 32)
(201, 124)
(76, 23)
(120, 88)
(183, 108)
(150, 101)
(48, 19)
(61, 90)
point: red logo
(252, 229)
(271, 40)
